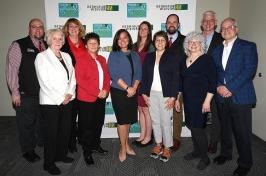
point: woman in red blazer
(93, 84)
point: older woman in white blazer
(57, 81)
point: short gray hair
(194, 36)
(209, 13)
(51, 32)
(233, 20)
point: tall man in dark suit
(24, 88)
(213, 39)
(236, 61)
(176, 40)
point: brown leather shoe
(176, 145)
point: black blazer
(217, 40)
(169, 74)
(177, 47)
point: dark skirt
(125, 108)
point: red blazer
(88, 78)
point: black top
(64, 65)
(197, 80)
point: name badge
(30, 50)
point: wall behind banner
(20, 12)
(106, 17)
(14, 22)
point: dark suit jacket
(239, 72)
(217, 40)
(169, 74)
(177, 47)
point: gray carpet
(12, 164)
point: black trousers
(91, 120)
(200, 143)
(29, 123)
(236, 119)
(57, 131)
(74, 126)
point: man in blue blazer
(236, 62)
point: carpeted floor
(12, 164)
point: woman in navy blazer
(159, 87)
(125, 71)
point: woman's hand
(177, 106)
(206, 107)
(146, 99)
(103, 94)
(67, 99)
(170, 102)
(131, 91)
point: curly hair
(194, 36)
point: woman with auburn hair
(74, 46)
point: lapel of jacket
(212, 44)
(220, 56)
(54, 60)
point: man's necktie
(40, 46)
(170, 41)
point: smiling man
(24, 87)
(175, 42)
(236, 63)
(212, 39)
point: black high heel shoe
(147, 144)
(135, 142)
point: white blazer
(52, 77)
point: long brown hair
(149, 37)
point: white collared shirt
(227, 51)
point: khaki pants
(177, 122)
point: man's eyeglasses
(229, 28)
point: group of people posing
(54, 81)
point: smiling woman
(160, 80)
(93, 83)
(125, 71)
(198, 80)
(57, 81)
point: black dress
(197, 80)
